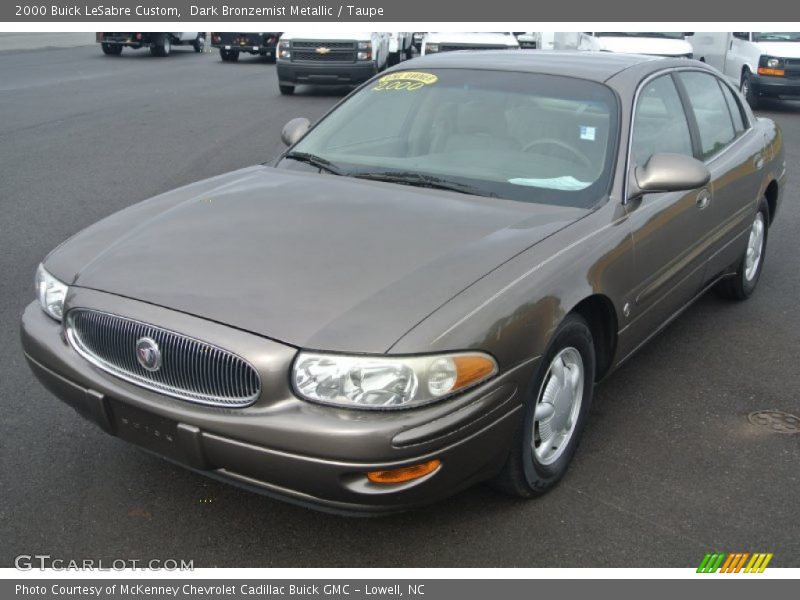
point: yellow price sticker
(405, 80)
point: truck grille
(189, 369)
(311, 51)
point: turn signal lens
(772, 72)
(450, 374)
(404, 474)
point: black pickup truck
(160, 44)
(232, 44)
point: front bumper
(293, 73)
(251, 49)
(282, 446)
(766, 85)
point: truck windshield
(776, 36)
(526, 137)
(656, 34)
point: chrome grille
(190, 369)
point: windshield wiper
(419, 180)
(315, 161)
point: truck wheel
(199, 43)
(111, 49)
(748, 92)
(162, 46)
(228, 55)
(286, 90)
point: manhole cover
(775, 420)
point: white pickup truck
(318, 58)
(160, 44)
(762, 63)
(471, 40)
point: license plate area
(146, 429)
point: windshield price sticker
(405, 80)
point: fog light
(404, 474)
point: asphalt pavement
(669, 468)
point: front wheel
(748, 271)
(199, 43)
(555, 413)
(162, 46)
(749, 93)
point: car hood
(780, 49)
(312, 260)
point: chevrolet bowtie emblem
(322, 50)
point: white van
(659, 43)
(470, 40)
(762, 63)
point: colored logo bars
(734, 562)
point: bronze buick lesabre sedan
(422, 291)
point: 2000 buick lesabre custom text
(423, 289)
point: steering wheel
(554, 142)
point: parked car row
(760, 64)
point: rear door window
(714, 121)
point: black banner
(475, 11)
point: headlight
(431, 48)
(284, 49)
(773, 63)
(51, 293)
(384, 382)
(364, 51)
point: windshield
(527, 137)
(673, 35)
(776, 36)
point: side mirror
(666, 172)
(294, 130)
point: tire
(111, 49)
(534, 466)
(199, 43)
(162, 46)
(228, 55)
(286, 90)
(746, 87)
(748, 271)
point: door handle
(703, 199)
(758, 162)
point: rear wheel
(199, 43)
(286, 90)
(752, 97)
(162, 45)
(742, 285)
(111, 49)
(229, 55)
(555, 413)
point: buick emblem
(148, 354)
(322, 50)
